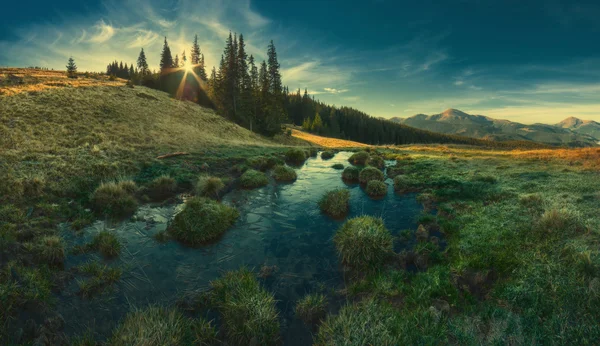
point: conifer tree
(244, 83)
(176, 61)
(254, 91)
(183, 59)
(195, 53)
(131, 72)
(71, 68)
(142, 64)
(166, 60)
(202, 69)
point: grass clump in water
(263, 163)
(350, 174)
(157, 326)
(404, 183)
(335, 203)
(295, 156)
(370, 173)
(252, 179)
(337, 166)
(376, 161)
(51, 250)
(360, 158)
(106, 243)
(101, 278)
(363, 243)
(366, 323)
(210, 187)
(248, 310)
(327, 155)
(202, 220)
(115, 199)
(311, 308)
(376, 188)
(284, 173)
(162, 188)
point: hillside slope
(455, 122)
(585, 127)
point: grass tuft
(376, 161)
(363, 243)
(376, 188)
(311, 308)
(115, 199)
(248, 311)
(210, 187)
(284, 173)
(295, 156)
(327, 155)
(106, 243)
(201, 221)
(360, 158)
(370, 173)
(350, 174)
(253, 179)
(337, 166)
(51, 250)
(162, 188)
(335, 203)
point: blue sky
(527, 61)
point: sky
(526, 61)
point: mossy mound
(360, 158)
(295, 156)
(311, 308)
(337, 166)
(350, 174)
(201, 221)
(161, 188)
(376, 188)
(284, 173)
(327, 155)
(263, 163)
(157, 326)
(365, 323)
(370, 173)
(363, 242)
(376, 161)
(405, 183)
(252, 179)
(248, 311)
(335, 203)
(208, 186)
(394, 171)
(115, 199)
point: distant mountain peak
(452, 112)
(570, 122)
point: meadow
(504, 252)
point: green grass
(157, 326)
(107, 244)
(296, 156)
(327, 155)
(370, 173)
(51, 250)
(350, 174)
(208, 186)
(312, 308)
(376, 188)
(202, 221)
(337, 166)
(394, 171)
(284, 173)
(335, 203)
(363, 243)
(263, 163)
(248, 310)
(115, 199)
(252, 179)
(99, 278)
(376, 161)
(161, 188)
(360, 158)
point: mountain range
(571, 131)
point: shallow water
(279, 225)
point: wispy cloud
(335, 91)
(143, 38)
(104, 32)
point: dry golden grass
(18, 80)
(326, 141)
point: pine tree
(71, 68)
(176, 61)
(195, 53)
(183, 59)
(131, 72)
(202, 69)
(317, 123)
(274, 74)
(244, 83)
(166, 60)
(254, 91)
(142, 64)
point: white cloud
(335, 91)
(143, 38)
(103, 32)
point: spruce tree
(166, 60)
(71, 68)
(195, 53)
(202, 69)
(131, 71)
(176, 61)
(142, 64)
(274, 74)
(254, 92)
(183, 59)
(244, 83)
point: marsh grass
(376, 161)
(106, 243)
(327, 155)
(295, 157)
(99, 278)
(263, 163)
(311, 309)
(363, 243)
(248, 310)
(335, 203)
(284, 174)
(337, 166)
(202, 221)
(162, 188)
(208, 186)
(252, 179)
(157, 326)
(350, 174)
(376, 188)
(359, 159)
(115, 199)
(370, 173)
(51, 250)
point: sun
(188, 66)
